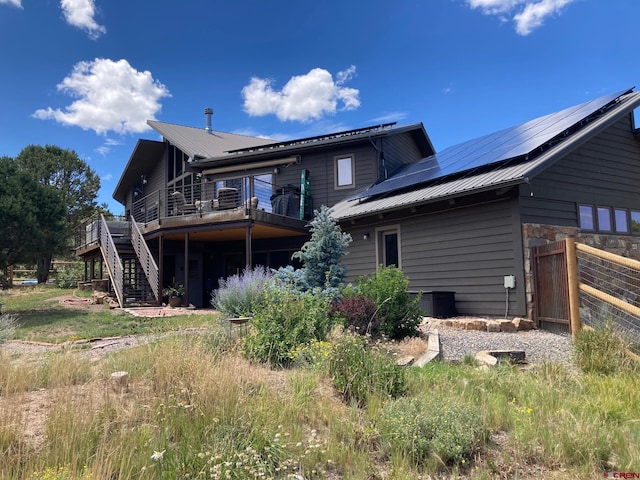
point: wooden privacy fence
(575, 284)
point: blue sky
(87, 74)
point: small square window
(586, 217)
(604, 219)
(344, 171)
(622, 223)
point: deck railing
(88, 233)
(208, 197)
(112, 260)
(146, 259)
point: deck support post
(247, 254)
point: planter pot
(175, 301)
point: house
(202, 204)
(464, 220)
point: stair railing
(146, 259)
(112, 259)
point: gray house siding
(320, 165)
(467, 250)
(604, 171)
(398, 150)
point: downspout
(382, 169)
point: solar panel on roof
(493, 148)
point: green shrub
(400, 313)
(423, 428)
(8, 325)
(358, 371)
(601, 350)
(70, 275)
(283, 320)
(237, 294)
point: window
(604, 219)
(344, 171)
(622, 224)
(609, 219)
(388, 247)
(635, 222)
(586, 217)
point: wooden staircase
(133, 271)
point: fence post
(574, 293)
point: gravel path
(538, 345)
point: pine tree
(322, 255)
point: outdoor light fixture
(365, 236)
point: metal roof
(524, 140)
(272, 149)
(511, 171)
(198, 143)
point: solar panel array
(491, 149)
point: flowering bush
(238, 295)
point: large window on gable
(344, 171)
(388, 246)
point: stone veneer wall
(534, 234)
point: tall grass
(196, 409)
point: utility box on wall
(439, 304)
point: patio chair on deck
(181, 205)
(228, 198)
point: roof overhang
(241, 167)
(142, 160)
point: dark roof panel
(514, 142)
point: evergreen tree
(322, 255)
(71, 184)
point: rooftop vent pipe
(208, 113)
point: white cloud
(303, 98)
(389, 118)
(526, 14)
(112, 96)
(103, 150)
(80, 13)
(15, 3)
(106, 146)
